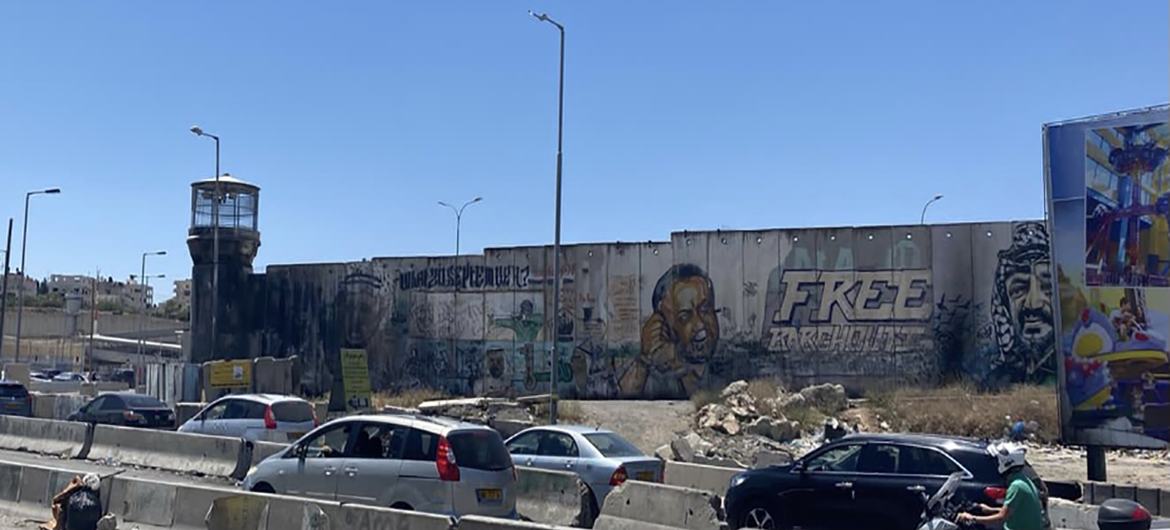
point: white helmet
(1007, 456)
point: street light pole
(23, 272)
(459, 219)
(214, 245)
(142, 285)
(552, 380)
(922, 220)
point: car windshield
(293, 411)
(480, 449)
(612, 445)
(141, 401)
(13, 391)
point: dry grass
(407, 398)
(960, 410)
(702, 398)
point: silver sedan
(602, 458)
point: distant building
(183, 292)
(14, 281)
(71, 284)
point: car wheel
(761, 516)
(263, 487)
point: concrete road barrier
(141, 501)
(174, 451)
(56, 406)
(475, 522)
(36, 435)
(1072, 515)
(262, 450)
(698, 476)
(554, 497)
(376, 518)
(185, 411)
(635, 503)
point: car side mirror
(799, 467)
(301, 451)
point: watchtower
(219, 286)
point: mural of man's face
(689, 309)
(1029, 287)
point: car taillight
(445, 461)
(130, 415)
(269, 418)
(994, 493)
(618, 477)
(1140, 513)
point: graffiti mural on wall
(858, 310)
(1022, 308)
(850, 311)
(678, 339)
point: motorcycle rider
(1022, 508)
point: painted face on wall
(689, 309)
(1029, 287)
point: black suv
(876, 481)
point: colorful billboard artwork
(1116, 376)
(1127, 205)
(1108, 182)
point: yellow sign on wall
(231, 374)
(355, 377)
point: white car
(263, 417)
(407, 462)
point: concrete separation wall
(262, 450)
(554, 497)
(710, 478)
(56, 406)
(61, 438)
(1157, 501)
(634, 504)
(185, 453)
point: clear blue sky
(355, 117)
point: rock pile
(745, 430)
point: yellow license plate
(492, 495)
(644, 476)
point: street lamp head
(161, 253)
(198, 132)
(53, 190)
(541, 17)
(441, 203)
(937, 197)
(477, 199)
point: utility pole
(92, 319)
(4, 291)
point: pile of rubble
(752, 431)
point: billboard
(1108, 185)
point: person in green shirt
(1022, 508)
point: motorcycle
(940, 513)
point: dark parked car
(133, 410)
(875, 479)
(14, 399)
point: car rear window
(141, 401)
(612, 445)
(480, 449)
(293, 411)
(13, 391)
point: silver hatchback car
(407, 462)
(263, 417)
(602, 458)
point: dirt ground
(651, 424)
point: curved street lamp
(936, 198)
